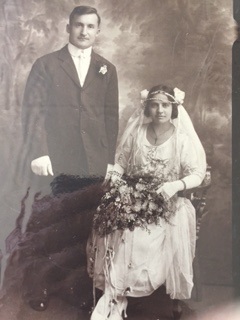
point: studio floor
(157, 306)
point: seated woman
(145, 236)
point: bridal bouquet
(131, 202)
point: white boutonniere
(103, 69)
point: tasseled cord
(109, 286)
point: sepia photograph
(117, 159)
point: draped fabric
(137, 262)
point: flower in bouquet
(129, 203)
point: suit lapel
(92, 71)
(68, 64)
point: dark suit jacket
(76, 126)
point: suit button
(83, 132)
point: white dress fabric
(135, 263)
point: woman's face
(160, 108)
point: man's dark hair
(166, 89)
(81, 10)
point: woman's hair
(81, 10)
(154, 90)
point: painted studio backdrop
(186, 44)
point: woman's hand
(169, 189)
(115, 173)
(115, 177)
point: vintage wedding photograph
(116, 160)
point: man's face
(83, 30)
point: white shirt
(81, 59)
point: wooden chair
(198, 198)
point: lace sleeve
(189, 160)
(123, 152)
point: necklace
(157, 137)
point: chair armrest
(192, 193)
(198, 197)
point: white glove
(42, 166)
(117, 172)
(108, 172)
(169, 189)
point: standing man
(70, 105)
(70, 122)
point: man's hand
(42, 166)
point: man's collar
(76, 52)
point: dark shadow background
(236, 150)
(186, 44)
